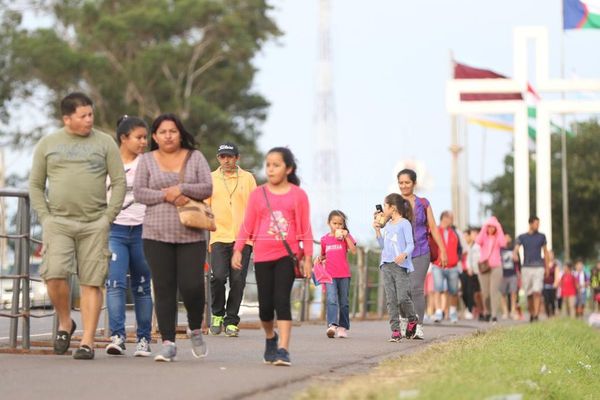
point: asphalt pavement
(233, 368)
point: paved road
(232, 370)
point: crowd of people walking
(110, 213)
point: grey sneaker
(216, 325)
(271, 349)
(116, 346)
(199, 348)
(167, 352)
(142, 349)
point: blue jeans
(446, 275)
(338, 308)
(125, 243)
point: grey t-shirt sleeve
(37, 181)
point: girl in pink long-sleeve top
(276, 209)
(491, 239)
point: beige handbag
(195, 214)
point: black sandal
(63, 339)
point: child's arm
(410, 243)
(378, 234)
(323, 254)
(350, 242)
(408, 237)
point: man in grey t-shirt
(67, 186)
(534, 266)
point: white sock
(452, 309)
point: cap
(228, 148)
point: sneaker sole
(113, 351)
(232, 334)
(394, 340)
(142, 354)
(281, 363)
(201, 355)
(160, 358)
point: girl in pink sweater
(276, 211)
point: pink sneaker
(342, 332)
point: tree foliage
(583, 176)
(143, 57)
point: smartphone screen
(379, 208)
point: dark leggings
(549, 301)
(176, 266)
(274, 280)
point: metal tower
(326, 166)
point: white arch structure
(544, 84)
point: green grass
(558, 359)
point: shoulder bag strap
(285, 243)
(183, 165)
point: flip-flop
(63, 339)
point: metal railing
(366, 290)
(20, 304)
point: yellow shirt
(228, 202)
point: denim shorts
(446, 279)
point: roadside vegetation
(557, 359)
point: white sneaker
(403, 325)
(419, 335)
(116, 347)
(142, 349)
(468, 315)
(438, 316)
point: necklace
(237, 180)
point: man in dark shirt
(534, 266)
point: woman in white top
(125, 243)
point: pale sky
(391, 60)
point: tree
(583, 171)
(143, 57)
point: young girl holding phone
(397, 244)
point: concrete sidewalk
(232, 370)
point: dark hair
(474, 229)
(290, 162)
(69, 104)
(533, 218)
(402, 205)
(338, 213)
(187, 139)
(444, 213)
(569, 264)
(126, 124)
(411, 174)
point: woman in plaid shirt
(175, 253)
